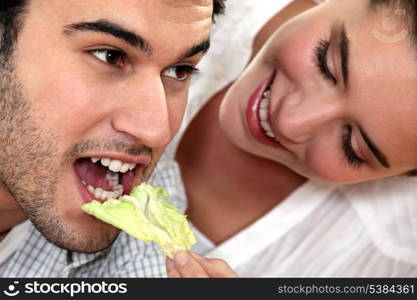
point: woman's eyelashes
(321, 51)
(352, 158)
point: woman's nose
(144, 114)
(300, 117)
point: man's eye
(180, 73)
(111, 57)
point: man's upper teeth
(114, 165)
(263, 115)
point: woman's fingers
(171, 270)
(188, 264)
(216, 268)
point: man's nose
(301, 117)
(144, 113)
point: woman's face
(342, 105)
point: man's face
(92, 80)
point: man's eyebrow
(374, 149)
(113, 29)
(203, 47)
(344, 46)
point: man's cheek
(176, 114)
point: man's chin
(88, 245)
(94, 240)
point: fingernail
(181, 258)
(170, 264)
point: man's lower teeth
(99, 193)
(113, 180)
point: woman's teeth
(263, 114)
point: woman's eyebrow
(344, 48)
(374, 149)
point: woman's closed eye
(349, 152)
(321, 52)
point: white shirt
(363, 230)
(320, 230)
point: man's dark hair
(218, 7)
(11, 21)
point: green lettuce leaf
(146, 215)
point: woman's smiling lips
(258, 116)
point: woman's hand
(187, 264)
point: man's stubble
(30, 168)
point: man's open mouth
(106, 178)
